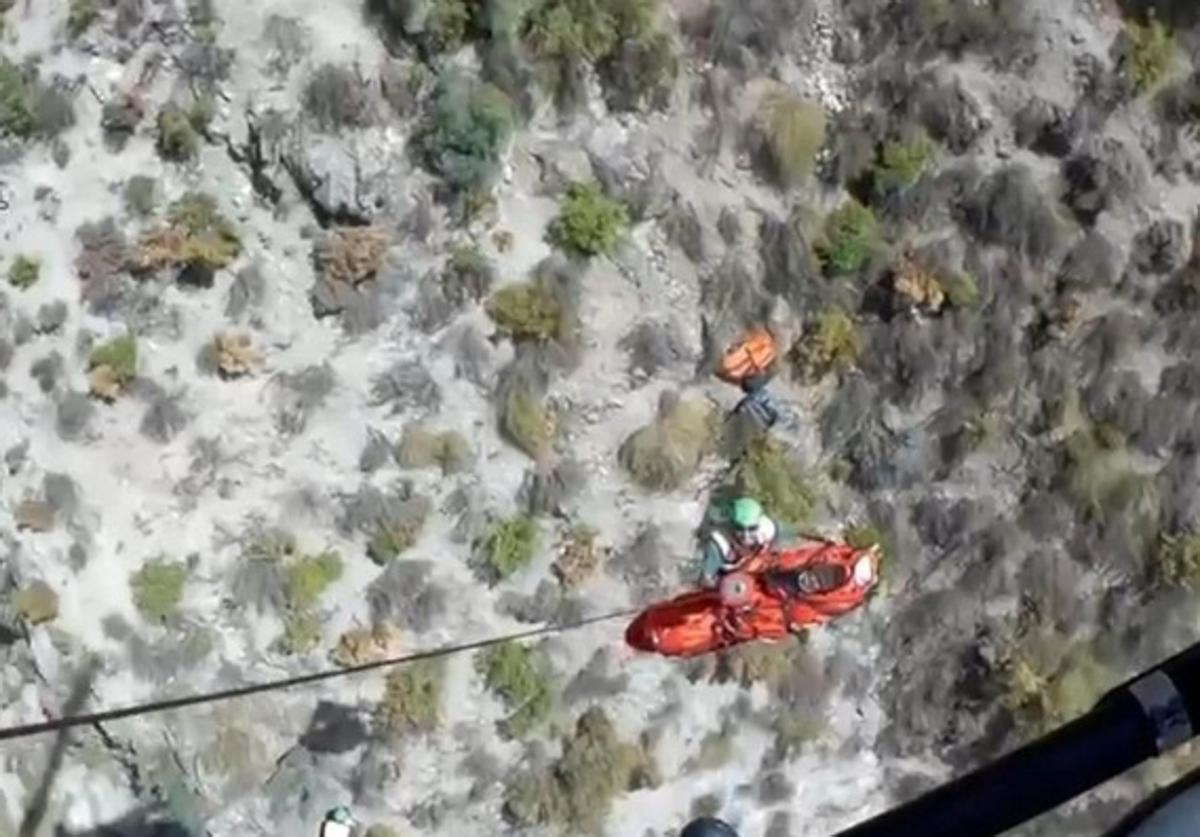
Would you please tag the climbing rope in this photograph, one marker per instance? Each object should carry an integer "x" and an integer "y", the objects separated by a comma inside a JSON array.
[{"x": 58, "y": 724}]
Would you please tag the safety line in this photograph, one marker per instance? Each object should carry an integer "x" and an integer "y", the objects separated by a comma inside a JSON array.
[{"x": 57, "y": 724}]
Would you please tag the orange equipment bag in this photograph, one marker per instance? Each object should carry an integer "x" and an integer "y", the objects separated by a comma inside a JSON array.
[{"x": 752, "y": 354}]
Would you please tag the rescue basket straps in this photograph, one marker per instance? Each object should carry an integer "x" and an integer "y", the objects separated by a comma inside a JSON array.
[
  {"x": 57, "y": 724},
  {"x": 1144, "y": 717}
]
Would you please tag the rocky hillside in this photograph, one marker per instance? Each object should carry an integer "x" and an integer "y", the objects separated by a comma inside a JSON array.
[{"x": 336, "y": 330}]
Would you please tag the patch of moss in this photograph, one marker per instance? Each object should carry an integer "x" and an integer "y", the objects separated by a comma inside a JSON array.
[
  {"x": 520, "y": 675},
  {"x": 309, "y": 576},
  {"x": 961, "y": 289},
  {"x": 509, "y": 545},
  {"x": 1151, "y": 53},
  {"x": 24, "y": 272},
  {"x": 851, "y": 235},
  {"x": 590, "y": 223},
  {"x": 412, "y": 698},
  {"x": 158, "y": 588}
]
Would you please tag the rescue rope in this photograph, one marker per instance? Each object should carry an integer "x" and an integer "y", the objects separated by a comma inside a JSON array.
[{"x": 154, "y": 707}]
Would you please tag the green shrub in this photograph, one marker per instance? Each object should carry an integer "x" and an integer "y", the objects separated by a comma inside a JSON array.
[
  {"x": 590, "y": 223},
  {"x": 81, "y": 14},
  {"x": 851, "y": 236},
  {"x": 578, "y": 791},
  {"x": 24, "y": 272},
  {"x": 508, "y": 546},
  {"x": 519, "y": 674},
  {"x": 468, "y": 275},
  {"x": 412, "y": 698},
  {"x": 526, "y": 311},
  {"x": 828, "y": 344},
  {"x": 527, "y": 423},
  {"x": 767, "y": 472},
  {"x": 568, "y": 35},
  {"x": 471, "y": 122},
  {"x": 1151, "y": 53},
  {"x": 301, "y": 633},
  {"x": 120, "y": 355},
  {"x": 901, "y": 162},
  {"x": 309, "y": 576},
  {"x": 961, "y": 289},
  {"x": 140, "y": 195},
  {"x": 37, "y": 603},
  {"x": 665, "y": 453},
  {"x": 178, "y": 139},
  {"x": 158, "y": 588},
  {"x": 1176, "y": 561},
  {"x": 795, "y": 131},
  {"x": 17, "y": 97}
]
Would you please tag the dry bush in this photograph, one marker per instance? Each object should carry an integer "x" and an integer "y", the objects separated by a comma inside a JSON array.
[
  {"x": 381, "y": 641},
  {"x": 420, "y": 447},
  {"x": 351, "y": 254},
  {"x": 662, "y": 455},
  {"x": 103, "y": 251},
  {"x": 579, "y": 556},
  {"x": 794, "y": 130},
  {"x": 412, "y": 699},
  {"x": 236, "y": 355},
  {"x": 918, "y": 286},
  {"x": 338, "y": 97},
  {"x": 526, "y": 421},
  {"x": 548, "y": 489},
  {"x": 1049, "y": 680}
]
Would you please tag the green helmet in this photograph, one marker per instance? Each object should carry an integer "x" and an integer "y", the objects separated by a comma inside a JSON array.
[{"x": 746, "y": 513}]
